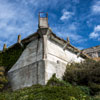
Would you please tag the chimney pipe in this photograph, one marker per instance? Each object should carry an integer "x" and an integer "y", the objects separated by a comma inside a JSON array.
[
  {"x": 43, "y": 20},
  {"x": 19, "y": 39},
  {"x": 4, "y": 47},
  {"x": 68, "y": 41}
]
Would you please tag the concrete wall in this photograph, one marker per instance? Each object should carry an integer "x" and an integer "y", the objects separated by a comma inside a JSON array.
[
  {"x": 27, "y": 75},
  {"x": 43, "y": 22},
  {"x": 39, "y": 61},
  {"x": 94, "y": 52},
  {"x": 57, "y": 59},
  {"x": 29, "y": 69}
]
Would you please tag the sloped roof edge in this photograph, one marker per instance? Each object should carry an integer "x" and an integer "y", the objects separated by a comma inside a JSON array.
[
  {"x": 91, "y": 47},
  {"x": 82, "y": 54},
  {"x": 34, "y": 35}
]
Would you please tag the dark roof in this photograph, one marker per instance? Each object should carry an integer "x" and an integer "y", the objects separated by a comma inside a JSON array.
[
  {"x": 92, "y": 47},
  {"x": 34, "y": 35}
]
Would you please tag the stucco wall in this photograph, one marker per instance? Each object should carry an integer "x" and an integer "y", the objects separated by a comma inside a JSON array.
[
  {"x": 94, "y": 52},
  {"x": 39, "y": 61},
  {"x": 28, "y": 75},
  {"x": 29, "y": 69},
  {"x": 57, "y": 59}
]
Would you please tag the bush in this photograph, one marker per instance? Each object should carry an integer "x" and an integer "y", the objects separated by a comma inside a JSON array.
[
  {"x": 10, "y": 56},
  {"x": 39, "y": 92},
  {"x": 84, "y": 73},
  {"x": 3, "y": 79},
  {"x": 97, "y": 96},
  {"x": 57, "y": 82},
  {"x": 94, "y": 88},
  {"x": 85, "y": 89}
]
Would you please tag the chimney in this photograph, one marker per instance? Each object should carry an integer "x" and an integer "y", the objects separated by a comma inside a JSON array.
[
  {"x": 4, "y": 47},
  {"x": 19, "y": 39},
  {"x": 43, "y": 20},
  {"x": 68, "y": 41}
]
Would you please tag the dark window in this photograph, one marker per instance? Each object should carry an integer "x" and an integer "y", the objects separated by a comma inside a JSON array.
[
  {"x": 98, "y": 54},
  {"x": 90, "y": 54}
]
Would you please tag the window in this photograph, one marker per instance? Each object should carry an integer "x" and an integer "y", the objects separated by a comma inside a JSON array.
[
  {"x": 99, "y": 54},
  {"x": 90, "y": 54}
]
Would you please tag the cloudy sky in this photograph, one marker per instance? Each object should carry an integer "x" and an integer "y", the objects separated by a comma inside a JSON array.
[{"x": 77, "y": 19}]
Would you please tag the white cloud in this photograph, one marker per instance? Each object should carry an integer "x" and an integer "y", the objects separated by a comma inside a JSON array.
[
  {"x": 69, "y": 30},
  {"x": 97, "y": 28},
  {"x": 66, "y": 15},
  {"x": 96, "y": 33},
  {"x": 72, "y": 27},
  {"x": 41, "y": 5},
  {"x": 75, "y": 38},
  {"x": 96, "y": 7},
  {"x": 15, "y": 19},
  {"x": 20, "y": 17}
]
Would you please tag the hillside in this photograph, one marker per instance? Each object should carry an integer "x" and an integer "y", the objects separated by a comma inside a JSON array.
[
  {"x": 54, "y": 90},
  {"x": 39, "y": 92},
  {"x": 80, "y": 82}
]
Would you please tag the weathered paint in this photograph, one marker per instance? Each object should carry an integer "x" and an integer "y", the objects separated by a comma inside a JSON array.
[
  {"x": 57, "y": 59},
  {"x": 94, "y": 52},
  {"x": 29, "y": 69},
  {"x": 43, "y": 21},
  {"x": 27, "y": 75},
  {"x": 40, "y": 60}
]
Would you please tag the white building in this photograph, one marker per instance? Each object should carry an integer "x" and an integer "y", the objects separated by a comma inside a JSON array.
[
  {"x": 93, "y": 52},
  {"x": 44, "y": 55}
]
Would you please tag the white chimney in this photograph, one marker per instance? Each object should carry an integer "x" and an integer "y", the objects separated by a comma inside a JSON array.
[{"x": 43, "y": 20}]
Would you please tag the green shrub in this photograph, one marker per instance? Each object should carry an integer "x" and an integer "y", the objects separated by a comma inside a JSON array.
[
  {"x": 85, "y": 89},
  {"x": 54, "y": 90},
  {"x": 84, "y": 73},
  {"x": 46, "y": 93},
  {"x": 97, "y": 96},
  {"x": 3, "y": 79},
  {"x": 57, "y": 82},
  {"x": 94, "y": 88},
  {"x": 10, "y": 56}
]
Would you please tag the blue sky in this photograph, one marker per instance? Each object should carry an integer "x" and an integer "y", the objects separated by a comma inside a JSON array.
[{"x": 77, "y": 19}]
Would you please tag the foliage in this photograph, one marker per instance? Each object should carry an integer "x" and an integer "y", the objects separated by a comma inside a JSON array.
[
  {"x": 94, "y": 87},
  {"x": 85, "y": 89},
  {"x": 10, "y": 56},
  {"x": 85, "y": 73},
  {"x": 7, "y": 60},
  {"x": 97, "y": 96},
  {"x": 3, "y": 79},
  {"x": 39, "y": 92},
  {"x": 57, "y": 82}
]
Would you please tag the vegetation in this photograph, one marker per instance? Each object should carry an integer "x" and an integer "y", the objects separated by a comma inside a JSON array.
[
  {"x": 10, "y": 56},
  {"x": 7, "y": 60},
  {"x": 81, "y": 81},
  {"x": 55, "y": 89},
  {"x": 86, "y": 73},
  {"x": 3, "y": 79},
  {"x": 48, "y": 92},
  {"x": 57, "y": 82}
]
